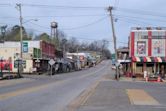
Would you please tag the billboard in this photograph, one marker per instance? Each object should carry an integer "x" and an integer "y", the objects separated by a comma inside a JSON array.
[
  {"x": 141, "y": 47},
  {"x": 158, "y": 47}
]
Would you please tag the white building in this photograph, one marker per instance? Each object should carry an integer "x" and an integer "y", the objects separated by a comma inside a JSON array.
[{"x": 35, "y": 54}]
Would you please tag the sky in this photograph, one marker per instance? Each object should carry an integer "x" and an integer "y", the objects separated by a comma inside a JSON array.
[{"x": 86, "y": 20}]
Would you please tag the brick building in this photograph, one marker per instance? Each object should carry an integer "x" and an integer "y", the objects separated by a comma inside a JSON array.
[{"x": 147, "y": 49}]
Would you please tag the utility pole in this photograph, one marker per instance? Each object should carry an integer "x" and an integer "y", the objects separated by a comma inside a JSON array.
[
  {"x": 21, "y": 36},
  {"x": 110, "y": 8}
]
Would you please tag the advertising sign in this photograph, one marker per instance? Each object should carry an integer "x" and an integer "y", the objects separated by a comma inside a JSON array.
[
  {"x": 158, "y": 48},
  {"x": 25, "y": 47},
  {"x": 141, "y": 47}
]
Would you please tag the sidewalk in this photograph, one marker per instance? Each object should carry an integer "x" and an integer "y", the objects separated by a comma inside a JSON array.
[
  {"x": 112, "y": 95},
  {"x": 8, "y": 76}
]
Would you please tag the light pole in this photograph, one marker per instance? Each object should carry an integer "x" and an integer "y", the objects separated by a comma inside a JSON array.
[
  {"x": 110, "y": 8},
  {"x": 19, "y": 6},
  {"x": 3, "y": 31},
  {"x": 1, "y": 74}
]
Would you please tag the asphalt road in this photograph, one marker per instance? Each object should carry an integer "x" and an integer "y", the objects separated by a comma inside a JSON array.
[{"x": 45, "y": 93}]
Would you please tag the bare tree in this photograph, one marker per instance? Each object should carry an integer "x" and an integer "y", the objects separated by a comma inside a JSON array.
[{"x": 72, "y": 44}]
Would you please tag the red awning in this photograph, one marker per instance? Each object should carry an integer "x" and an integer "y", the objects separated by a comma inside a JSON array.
[{"x": 136, "y": 59}]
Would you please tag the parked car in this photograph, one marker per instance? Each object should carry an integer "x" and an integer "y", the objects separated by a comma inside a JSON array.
[{"x": 62, "y": 65}]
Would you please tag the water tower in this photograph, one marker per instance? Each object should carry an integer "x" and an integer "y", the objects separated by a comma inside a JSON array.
[{"x": 54, "y": 33}]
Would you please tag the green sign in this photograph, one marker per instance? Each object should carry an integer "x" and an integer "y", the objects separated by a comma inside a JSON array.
[
  {"x": 113, "y": 56},
  {"x": 25, "y": 47},
  {"x": 36, "y": 53}
]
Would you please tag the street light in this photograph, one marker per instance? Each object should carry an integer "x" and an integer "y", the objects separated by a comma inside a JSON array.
[
  {"x": 1, "y": 74},
  {"x": 3, "y": 31},
  {"x": 19, "y": 7}
]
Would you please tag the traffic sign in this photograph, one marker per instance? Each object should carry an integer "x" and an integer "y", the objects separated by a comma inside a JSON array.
[{"x": 51, "y": 62}]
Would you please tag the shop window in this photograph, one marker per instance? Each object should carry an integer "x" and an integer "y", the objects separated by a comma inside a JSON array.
[
  {"x": 141, "y": 47},
  {"x": 139, "y": 67},
  {"x": 150, "y": 67}
]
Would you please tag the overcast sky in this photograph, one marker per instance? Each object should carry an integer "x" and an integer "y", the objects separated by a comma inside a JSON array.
[{"x": 86, "y": 23}]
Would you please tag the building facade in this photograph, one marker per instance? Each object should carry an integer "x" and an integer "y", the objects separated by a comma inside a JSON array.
[
  {"x": 147, "y": 47},
  {"x": 35, "y": 54}
]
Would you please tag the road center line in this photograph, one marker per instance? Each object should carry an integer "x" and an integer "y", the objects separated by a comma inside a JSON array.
[{"x": 28, "y": 90}]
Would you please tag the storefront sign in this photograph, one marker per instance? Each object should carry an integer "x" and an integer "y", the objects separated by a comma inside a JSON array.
[
  {"x": 19, "y": 62},
  {"x": 25, "y": 47},
  {"x": 158, "y": 48},
  {"x": 141, "y": 47}
]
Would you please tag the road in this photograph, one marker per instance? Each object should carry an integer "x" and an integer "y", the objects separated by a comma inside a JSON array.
[{"x": 45, "y": 93}]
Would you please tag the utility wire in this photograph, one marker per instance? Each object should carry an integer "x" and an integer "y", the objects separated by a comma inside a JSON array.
[
  {"x": 97, "y": 40},
  {"x": 41, "y": 26},
  {"x": 136, "y": 22},
  {"x": 74, "y": 28},
  {"x": 42, "y": 16},
  {"x": 140, "y": 18},
  {"x": 62, "y": 7},
  {"x": 5, "y": 5},
  {"x": 140, "y": 12},
  {"x": 84, "y": 26}
]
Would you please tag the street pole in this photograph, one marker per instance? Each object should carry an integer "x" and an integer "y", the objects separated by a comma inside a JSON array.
[
  {"x": 21, "y": 35},
  {"x": 1, "y": 75},
  {"x": 110, "y": 8}
]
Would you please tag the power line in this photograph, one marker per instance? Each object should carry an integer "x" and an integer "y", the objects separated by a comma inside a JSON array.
[
  {"x": 136, "y": 22},
  {"x": 62, "y": 7},
  {"x": 41, "y": 26},
  {"x": 84, "y": 26},
  {"x": 5, "y": 5},
  {"x": 140, "y": 12},
  {"x": 74, "y": 28},
  {"x": 98, "y": 40},
  {"x": 48, "y": 16},
  {"x": 36, "y": 30},
  {"x": 138, "y": 18},
  {"x": 90, "y": 39}
]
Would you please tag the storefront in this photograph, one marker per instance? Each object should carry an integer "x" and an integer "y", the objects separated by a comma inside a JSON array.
[
  {"x": 147, "y": 49},
  {"x": 152, "y": 65}
]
